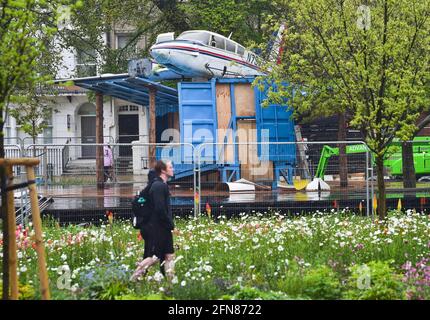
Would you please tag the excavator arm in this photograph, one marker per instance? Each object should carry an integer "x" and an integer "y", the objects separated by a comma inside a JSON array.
[{"x": 327, "y": 152}]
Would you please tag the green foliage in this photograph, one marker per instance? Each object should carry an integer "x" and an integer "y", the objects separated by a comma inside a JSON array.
[
  {"x": 252, "y": 293},
  {"x": 139, "y": 19},
  {"x": 105, "y": 282},
  {"x": 378, "y": 75},
  {"x": 32, "y": 112},
  {"x": 28, "y": 27},
  {"x": 146, "y": 297},
  {"x": 244, "y": 18},
  {"x": 25, "y": 291},
  {"x": 253, "y": 257},
  {"x": 378, "y": 281},
  {"x": 321, "y": 283},
  {"x": 369, "y": 62}
]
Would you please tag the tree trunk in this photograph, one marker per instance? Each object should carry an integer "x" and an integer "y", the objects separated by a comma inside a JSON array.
[
  {"x": 5, "y": 225},
  {"x": 99, "y": 140},
  {"x": 408, "y": 167},
  {"x": 152, "y": 124},
  {"x": 343, "y": 161},
  {"x": 382, "y": 205}
]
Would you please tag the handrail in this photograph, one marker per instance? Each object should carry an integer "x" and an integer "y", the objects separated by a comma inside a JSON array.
[
  {"x": 65, "y": 155},
  {"x": 111, "y": 139}
]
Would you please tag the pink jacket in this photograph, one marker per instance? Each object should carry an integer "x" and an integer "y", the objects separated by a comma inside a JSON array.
[{"x": 108, "y": 158}]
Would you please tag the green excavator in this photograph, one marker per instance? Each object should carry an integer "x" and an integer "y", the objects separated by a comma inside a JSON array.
[{"x": 393, "y": 162}]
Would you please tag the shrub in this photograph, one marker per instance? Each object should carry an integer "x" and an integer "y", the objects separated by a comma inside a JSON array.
[
  {"x": 375, "y": 281},
  {"x": 147, "y": 297},
  {"x": 417, "y": 279},
  {"x": 105, "y": 282},
  {"x": 25, "y": 291},
  {"x": 251, "y": 293},
  {"x": 321, "y": 283}
]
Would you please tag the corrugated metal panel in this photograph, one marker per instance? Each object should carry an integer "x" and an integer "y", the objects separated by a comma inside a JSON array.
[
  {"x": 197, "y": 116},
  {"x": 275, "y": 124}
]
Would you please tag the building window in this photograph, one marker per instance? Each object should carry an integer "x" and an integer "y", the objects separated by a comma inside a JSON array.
[
  {"x": 87, "y": 109},
  {"x": 8, "y": 134},
  {"x": 86, "y": 63},
  {"x": 128, "y": 108},
  {"x": 122, "y": 40},
  {"x": 47, "y": 132}
]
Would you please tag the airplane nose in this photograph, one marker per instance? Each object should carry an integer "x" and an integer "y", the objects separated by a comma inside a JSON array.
[{"x": 162, "y": 56}]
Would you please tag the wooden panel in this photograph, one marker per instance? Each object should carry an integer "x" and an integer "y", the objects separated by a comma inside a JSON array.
[
  {"x": 251, "y": 167},
  {"x": 223, "y": 105},
  {"x": 245, "y": 100},
  {"x": 176, "y": 121}
]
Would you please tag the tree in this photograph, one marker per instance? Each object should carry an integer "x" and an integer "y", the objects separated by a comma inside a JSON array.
[
  {"x": 90, "y": 32},
  {"x": 32, "y": 112},
  {"x": 26, "y": 27},
  {"x": 409, "y": 177},
  {"x": 370, "y": 60},
  {"x": 243, "y": 18}
]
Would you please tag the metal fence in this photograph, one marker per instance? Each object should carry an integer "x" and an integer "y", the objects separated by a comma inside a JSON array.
[
  {"x": 274, "y": 176},
  {"x": 279, "y": 176},
  {"x": 57, "y": 140},
  {"x": 13, "y": 151}
]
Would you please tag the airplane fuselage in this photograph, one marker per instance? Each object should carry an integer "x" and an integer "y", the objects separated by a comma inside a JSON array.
[{"x": 190, "y": 58}]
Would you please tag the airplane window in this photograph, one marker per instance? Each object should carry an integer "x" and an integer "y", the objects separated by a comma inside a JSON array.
[
  {"x": 217, "y": 42},
  {"x": 195, "y": 36},
  {"x": 240, "y": 50},
  {"x": 230, "y": 46}
]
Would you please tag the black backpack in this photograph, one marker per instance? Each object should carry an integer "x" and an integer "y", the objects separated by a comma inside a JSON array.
[{"x": 141, "y": 208}]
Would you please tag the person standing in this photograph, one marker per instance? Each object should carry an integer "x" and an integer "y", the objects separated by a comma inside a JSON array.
[
  {"x": 108, "y": 162},
  {"x": 157, "y": 232}
]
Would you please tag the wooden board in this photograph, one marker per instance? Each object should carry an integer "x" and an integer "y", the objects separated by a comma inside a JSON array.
[
  {"x": 251, "y": 167},
  {"x": 223, "y": 105},
  {"x": 173, "y": 123},
  {"x": 244, "y": 100},
  {"x": 176, "y": 120}
]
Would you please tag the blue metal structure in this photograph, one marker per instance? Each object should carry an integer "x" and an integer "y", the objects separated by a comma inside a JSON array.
[
  {"x": 198, "y": 123},
  {"x": 278, "y": 122},
  {"x": 133, "y": 89}
]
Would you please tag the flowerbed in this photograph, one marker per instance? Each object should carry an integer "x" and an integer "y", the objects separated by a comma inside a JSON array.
[{"x": 334, "y": 255}]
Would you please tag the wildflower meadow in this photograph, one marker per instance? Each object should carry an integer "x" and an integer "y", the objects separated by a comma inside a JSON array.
[{"x": 326, "y": 255}]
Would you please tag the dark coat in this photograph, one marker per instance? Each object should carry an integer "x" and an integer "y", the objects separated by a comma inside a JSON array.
[
  {"x": 157, "y": 232},
  {"x": 160, "y": 197},
  {"x": 151, "y": 175}
]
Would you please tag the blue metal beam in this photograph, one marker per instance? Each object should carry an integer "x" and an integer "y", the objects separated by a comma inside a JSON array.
[
  {"x": 169, "y": 93},
  {"x": 159, "y": 95}
]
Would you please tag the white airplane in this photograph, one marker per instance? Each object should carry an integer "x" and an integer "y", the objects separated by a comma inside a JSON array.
[{"x": 201, "y": 54}]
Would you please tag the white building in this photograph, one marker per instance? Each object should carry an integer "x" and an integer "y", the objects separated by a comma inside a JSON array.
[{"x": 75, "y": 120}]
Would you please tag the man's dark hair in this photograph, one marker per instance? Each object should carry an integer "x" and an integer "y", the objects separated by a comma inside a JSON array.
[{"x": 159, "y": 166}]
